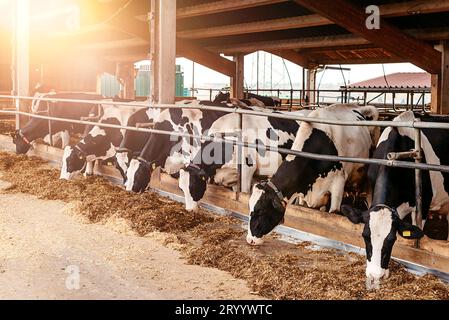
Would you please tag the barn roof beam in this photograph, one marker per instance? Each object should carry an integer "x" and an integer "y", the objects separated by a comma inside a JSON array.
[
  {"x": 313, "y": 20},
  {"x": 221, "y": 6},
  {"x": 389, "y": 37},
  {"x": 205, "y": 57},
  {"x": 323, "y": 41},
  {"x": 293, "y": 56}
]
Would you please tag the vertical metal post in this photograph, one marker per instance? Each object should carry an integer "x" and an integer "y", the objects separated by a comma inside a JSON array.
[
  {"x": 210, "y": 94},
  {"x": 418, "y": 182},
  {"x": 394, "y": 101},
  {"x": 193, "y": 79},
  {"x": 291, "y": 100},
  {"x": 365, "y": 98},
  {"x": 412, "y": 102},
  {"x": 50, "y": 130},
  {"x": 239, "y": 154}
]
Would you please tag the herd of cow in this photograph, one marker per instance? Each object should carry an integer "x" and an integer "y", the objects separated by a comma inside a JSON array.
[{"x": 314, "y": 183}]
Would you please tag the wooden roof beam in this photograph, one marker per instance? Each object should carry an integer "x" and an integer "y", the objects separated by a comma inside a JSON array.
[
  {"x": 205, "y": 57},
  {"x": 313, "y": 20},
  {"x": 221, "y": 6},
  {"x": 311, "y": 43},
  {"x": 294, "y": 57},
  {"x": 389, "y": 37}
]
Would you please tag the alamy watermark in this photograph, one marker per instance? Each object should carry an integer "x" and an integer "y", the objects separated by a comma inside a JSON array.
[
  {"x": 72, "y": 282},
  {"x": 372, "y": 22}
]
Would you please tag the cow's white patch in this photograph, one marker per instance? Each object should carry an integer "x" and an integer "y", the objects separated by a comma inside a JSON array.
[
  {"x": 380, "y": 225},
  {"x": 122, "y": 161},
  {"x": 131, "y": 174},
  {"x": 184, "y": 184},
  {"x": 255, "y": 196},
  {"x": 97, "y": 131},
  {"x": 404, "y": 209},
  {"x": 65, "y": 175}
]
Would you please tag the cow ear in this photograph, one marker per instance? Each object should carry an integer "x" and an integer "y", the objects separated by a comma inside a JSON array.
[
  {"x": 409, "y": 231},
  {"x": 278, "y": 205},
  {"x": 354, "y": 215}
]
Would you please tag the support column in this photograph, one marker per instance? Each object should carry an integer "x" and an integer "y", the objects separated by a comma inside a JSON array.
[
  {"x": 435, "y": 93},
  {"x": 163, "y": 51},
  {"x": 444, "y": 81},
  {"x": 126, "y": 75},
  {"x": 237, "y": 82},
  {"x": 21, "y": 55},
  {"x": 311, "y": 85}
]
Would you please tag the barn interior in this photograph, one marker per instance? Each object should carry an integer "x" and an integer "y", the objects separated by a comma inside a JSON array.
[{"x": 68, "y": 44}]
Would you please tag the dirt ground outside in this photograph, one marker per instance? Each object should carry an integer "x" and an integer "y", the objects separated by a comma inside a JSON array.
[{"x": 43, "y": 245}]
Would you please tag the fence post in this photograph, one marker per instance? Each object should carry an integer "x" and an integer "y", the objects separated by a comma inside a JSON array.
[
  {"x": 418, "y": 182},
  {"x": 50, "y": 131},
  {"x": 239, "y": 155},
  {"x": 291, "y": 100},
  {"x": 210, "y": 94},
  {"x": 411, "y": 100}
]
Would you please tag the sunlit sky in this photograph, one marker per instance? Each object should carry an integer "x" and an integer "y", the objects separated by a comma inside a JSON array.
[{"x": 277, "y": 76}]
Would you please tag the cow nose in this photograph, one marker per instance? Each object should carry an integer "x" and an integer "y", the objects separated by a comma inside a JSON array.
[{"x": 253, "y": 240}]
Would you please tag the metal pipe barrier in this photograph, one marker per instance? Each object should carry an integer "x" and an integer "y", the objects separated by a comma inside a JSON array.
[{"x": 390, "y": 162}]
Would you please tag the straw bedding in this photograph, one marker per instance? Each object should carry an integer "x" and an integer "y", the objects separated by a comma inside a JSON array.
[{"x": 276, "y": 270}]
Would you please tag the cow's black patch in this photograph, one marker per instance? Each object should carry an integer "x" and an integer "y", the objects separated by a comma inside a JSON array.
[
  {"x": 272, "y": 135},
  {"x": 289, "y": 126},
  {"x": 177, "y": 117},
  {"x": 394, "y": 186},
  {"x": 300, "y": 174}
]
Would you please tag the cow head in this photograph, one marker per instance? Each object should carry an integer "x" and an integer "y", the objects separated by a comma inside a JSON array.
[
  {"x": 21, "y": 142},
  {"x": 382, "y": 223},
  {"x": 192, "y": 181},
  {"x": 267, "y": 210},
  {"x": 74, "y": 161},
  {"x": 123, "y": 158},
  {"x": 138, "y": 175}
]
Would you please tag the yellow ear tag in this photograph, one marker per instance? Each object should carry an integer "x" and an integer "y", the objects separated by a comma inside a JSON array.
[
  {"x": 154, "y": 166},
  {"x": 406, "y": 233},
  {"x": 203, "y": 178}
]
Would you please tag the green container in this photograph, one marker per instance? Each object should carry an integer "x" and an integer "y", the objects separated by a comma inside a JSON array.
[
  {"x": 179, "y": 82},
  {"x": 110, "y": 86}
]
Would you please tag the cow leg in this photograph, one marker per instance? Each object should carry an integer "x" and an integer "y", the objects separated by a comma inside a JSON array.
[
  {"x": 337, "y": 192},
  {"x": 65, "y": 138}
]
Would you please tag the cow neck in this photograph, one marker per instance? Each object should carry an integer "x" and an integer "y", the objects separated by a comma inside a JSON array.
[{"x": 35, "y": 129}]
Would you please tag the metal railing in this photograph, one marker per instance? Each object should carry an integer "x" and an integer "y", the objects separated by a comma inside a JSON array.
[
  {"x": 412, "y": 98},
  {"x": 392, "y": 161}
]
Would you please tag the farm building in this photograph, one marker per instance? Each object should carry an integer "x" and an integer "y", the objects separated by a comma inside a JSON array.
[{"x": 71, "y": 94}]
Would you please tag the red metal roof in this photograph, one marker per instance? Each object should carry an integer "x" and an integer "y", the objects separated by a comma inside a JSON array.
[{"x": 397, "y": 80}]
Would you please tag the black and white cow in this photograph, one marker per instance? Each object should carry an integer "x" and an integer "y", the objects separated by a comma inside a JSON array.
[
  {"x": 315, "y": 182},
  {"x": 38, "y": 128},
  {"x": 394, "y": 193},
  {"x": 250, "y": 99},
  {"x": 171, "y": 152},
  {"x": 133, "y": 141},
  {"x": 101, "y": 143},
  {"x": 213, "y": 156}
]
